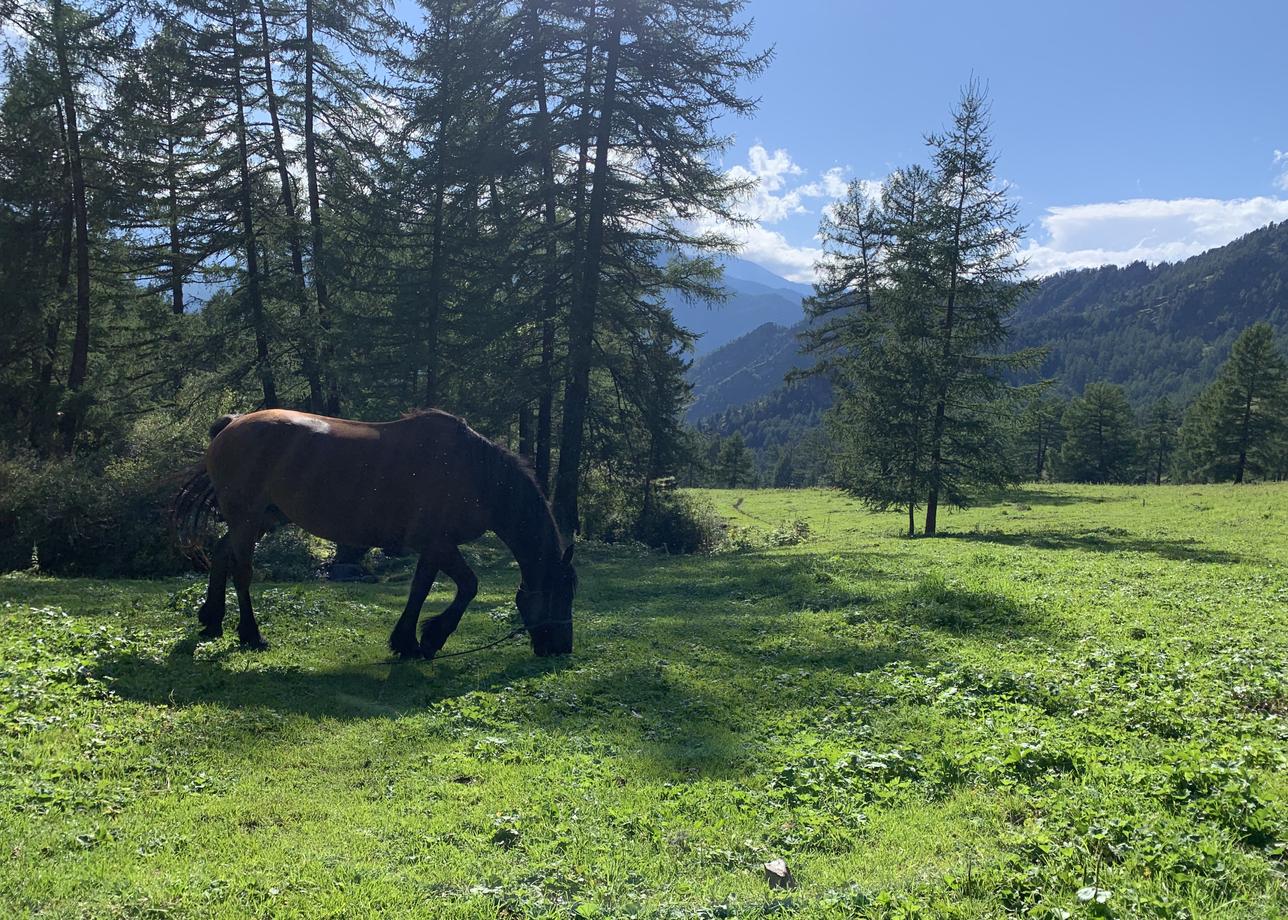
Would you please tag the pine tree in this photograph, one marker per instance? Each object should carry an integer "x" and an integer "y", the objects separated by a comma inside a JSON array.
[
  {"x": 913, "y": 307},
  {"x": 1100, "y": 436},
  {"x": 1158, "y": 438},
  {"x": 1233, "y": 428},
  {"x": 1040, "y": 435},
  {"x": 734, "y": 465},
  {"x": 691, "y": 55},
  {"x": 980, "y": 285}
]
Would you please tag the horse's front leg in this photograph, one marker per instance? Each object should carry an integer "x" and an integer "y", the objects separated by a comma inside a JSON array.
[
  {"x": 436, "y": 629},
  {"x": 402, "y": 641}
]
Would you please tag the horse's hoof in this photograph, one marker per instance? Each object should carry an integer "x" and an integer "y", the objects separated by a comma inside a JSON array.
[
  {"x": 254, "y": 644},
  {"x": 211, "y": 632},
  {"x": 405, "y": 648}
]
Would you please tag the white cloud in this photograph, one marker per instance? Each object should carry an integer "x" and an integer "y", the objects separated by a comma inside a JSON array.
[
  {"x": 1144, "y": 229},
  {"x": 1281, "y": 160},
  {"x": 778, "y": 193}
]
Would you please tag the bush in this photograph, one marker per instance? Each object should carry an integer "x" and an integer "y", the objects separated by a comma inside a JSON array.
[
  {"x": 290, "y": 554},
  {"x": 672, "y": 521},
  {"x": 98, "y": 513},
  {"x": 680, "y": 523}
]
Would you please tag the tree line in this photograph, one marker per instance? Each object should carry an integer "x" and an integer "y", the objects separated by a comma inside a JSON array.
[{"x": 213, "y": 205}]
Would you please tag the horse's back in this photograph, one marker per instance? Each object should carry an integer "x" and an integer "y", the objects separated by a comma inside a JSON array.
[{"x": 380, "y": 483}]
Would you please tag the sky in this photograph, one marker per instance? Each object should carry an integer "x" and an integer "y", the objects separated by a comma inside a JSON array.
[{"x": 1132, "y": 129}]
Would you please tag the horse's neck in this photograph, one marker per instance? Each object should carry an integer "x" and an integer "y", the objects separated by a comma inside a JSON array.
[{"x": 534, "y": 542}]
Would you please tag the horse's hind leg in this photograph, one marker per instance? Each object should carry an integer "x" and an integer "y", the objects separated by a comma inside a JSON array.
[
  {"x": 211, "y": 615},
  {"x": 436, "y": 629},
  {"x": 242, "y": 549},
  {"x": 402, "y": 641}
]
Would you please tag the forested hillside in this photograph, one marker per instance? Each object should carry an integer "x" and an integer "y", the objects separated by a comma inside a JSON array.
[
  {"x": 1160, "y": 331},
  {"x": 744, "y": 370}
]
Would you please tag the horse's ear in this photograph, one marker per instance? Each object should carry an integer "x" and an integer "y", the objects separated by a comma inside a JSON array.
[{"x": 567, "y": 556}]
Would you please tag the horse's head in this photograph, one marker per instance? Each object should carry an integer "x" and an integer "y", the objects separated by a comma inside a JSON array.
[{"x": 547, "y": 611}]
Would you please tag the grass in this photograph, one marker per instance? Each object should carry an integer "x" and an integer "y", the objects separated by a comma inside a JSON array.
[{"x": 1074, "y": 703}]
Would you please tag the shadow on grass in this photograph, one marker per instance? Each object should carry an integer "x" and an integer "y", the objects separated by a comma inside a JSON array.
[
  {"x": 686, "y": 661},
  {"x": 1102, "y": 541},
  {"x": 1034, "y": 496},
  {"x": 381, "y": 689}
]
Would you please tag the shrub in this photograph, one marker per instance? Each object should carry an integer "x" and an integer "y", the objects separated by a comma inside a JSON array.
[
  {"x": 98, "y": 513},
  {"x": 289, "y": 554},
  {"x": 679, "y": 523}
]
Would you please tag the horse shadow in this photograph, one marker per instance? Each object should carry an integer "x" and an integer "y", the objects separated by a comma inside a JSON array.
[{"x": 389, "y": 688}]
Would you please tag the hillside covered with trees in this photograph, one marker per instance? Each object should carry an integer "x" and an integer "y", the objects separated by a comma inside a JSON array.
[{"x": 1157, "y": 332}]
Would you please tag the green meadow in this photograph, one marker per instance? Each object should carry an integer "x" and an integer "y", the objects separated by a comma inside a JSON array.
[{"x": 1073, "y": 703}]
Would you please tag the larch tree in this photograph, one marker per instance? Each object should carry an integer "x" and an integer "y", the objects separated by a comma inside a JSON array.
[
  {"x": 1232, "y": 430},
  {"x": 1100, "y": 437}
]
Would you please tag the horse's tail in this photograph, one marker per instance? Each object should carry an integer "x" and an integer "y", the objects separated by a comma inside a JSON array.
[{"x": 195, "y": 507}]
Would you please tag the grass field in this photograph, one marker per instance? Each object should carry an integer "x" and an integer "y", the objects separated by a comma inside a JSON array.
[{"x": 1074, "y": 703}]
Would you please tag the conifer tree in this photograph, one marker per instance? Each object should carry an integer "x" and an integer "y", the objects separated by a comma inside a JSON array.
[
  {"x": 1158, "y": 438},
  {"x": 1100, "y": 440},
  {"x": 1232, "y": 430}
]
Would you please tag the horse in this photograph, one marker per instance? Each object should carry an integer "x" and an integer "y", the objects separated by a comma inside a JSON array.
[{"x": 427, "y": 482}]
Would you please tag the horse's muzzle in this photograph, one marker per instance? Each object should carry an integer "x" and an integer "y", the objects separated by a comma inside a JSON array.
[{"x": 555, "y": 639}]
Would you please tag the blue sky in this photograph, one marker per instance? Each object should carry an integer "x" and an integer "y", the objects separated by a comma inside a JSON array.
[{"x": 1128, "y": 129}]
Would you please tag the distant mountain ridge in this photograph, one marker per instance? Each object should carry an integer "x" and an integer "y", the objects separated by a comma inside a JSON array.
[
  {"x": 1157, "y": 331},
  {"x": 756, "y": 296}
]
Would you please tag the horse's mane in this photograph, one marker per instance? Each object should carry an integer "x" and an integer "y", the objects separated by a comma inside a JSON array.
[{"x": 504, "y": 473}]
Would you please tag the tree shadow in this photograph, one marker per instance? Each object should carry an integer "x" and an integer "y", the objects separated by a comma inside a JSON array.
[
  {"x": 1105, "y": 540},
  {"x": 1035, "y": 496},
  {"x": 689, "y": 662}
]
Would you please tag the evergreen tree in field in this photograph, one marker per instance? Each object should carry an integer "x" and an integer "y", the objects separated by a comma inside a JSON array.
[
  {"x": 1235, "y": 427},
  {"x": 784, "y": 473},
  {"x": 914, "y": 306},
  {"x": 1040, "y": 435},
  {"x": 734, "y": 464},
  {"x": 1158, "y": 438},
  {"x": 1100, "y": 439}
]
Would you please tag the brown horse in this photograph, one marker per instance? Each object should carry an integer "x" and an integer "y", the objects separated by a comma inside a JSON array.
[{"x": 427, "y": 483}]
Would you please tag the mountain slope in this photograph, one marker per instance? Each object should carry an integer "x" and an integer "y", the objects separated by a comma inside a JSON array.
[
  {"x": 1157, "y": 331},
  {"x": 1160, "y": 331},
  {"x": 756, "y": 296},
  {"x": 744, "y": 370}
]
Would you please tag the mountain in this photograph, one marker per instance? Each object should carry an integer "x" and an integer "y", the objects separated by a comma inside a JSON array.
[
  {"x": 756, "y": 296},
  {"x": 744, "y": 370},
  {"x": 1159, "y": 330}
]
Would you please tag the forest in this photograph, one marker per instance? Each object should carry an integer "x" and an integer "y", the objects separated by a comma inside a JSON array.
[{"x": 223, "y": 206}]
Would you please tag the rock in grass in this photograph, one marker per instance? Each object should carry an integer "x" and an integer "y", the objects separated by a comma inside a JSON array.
[{"x": 778, "y": 875}]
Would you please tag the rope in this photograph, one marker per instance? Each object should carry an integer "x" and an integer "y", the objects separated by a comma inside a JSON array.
[
  {"x": 514, "y": 632},
  {"x": 469, "y": 651}
]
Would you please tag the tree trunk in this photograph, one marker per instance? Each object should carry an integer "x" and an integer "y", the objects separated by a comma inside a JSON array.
[
  {"x": 254, "y": 297},
  {"x": 320, "y": 289},
  {"x": 941, "y": 401},
  {"x": 172, "y": 205},
  {"x": 309, "y": 350},
  {"x": 581, "y": 320},
  {"x": 550, "y": 279},
  {"x": 80, "y": 343},
  {"x": 434, "y": 300},
  {"x": 42, "y": 419},
  {"x": 525, "y": 431}
]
